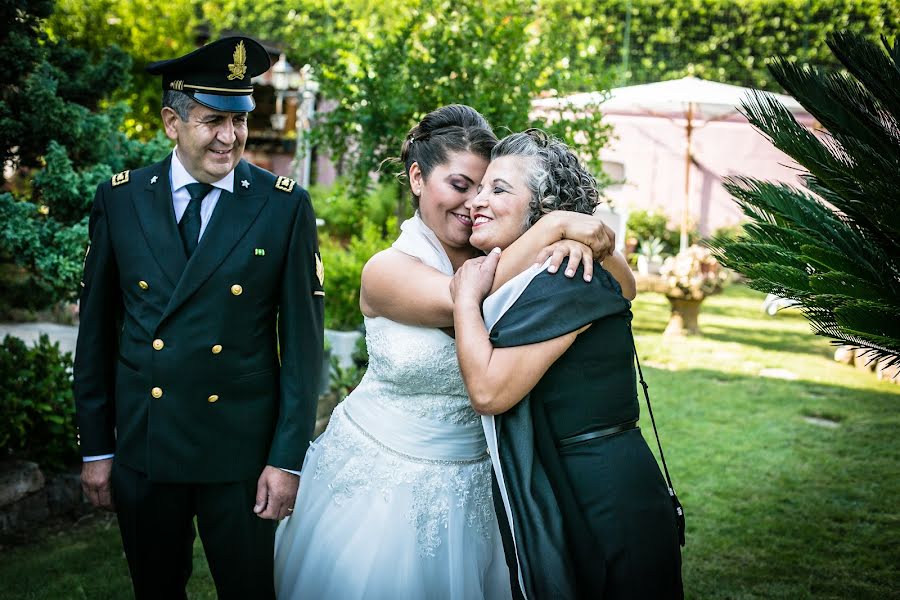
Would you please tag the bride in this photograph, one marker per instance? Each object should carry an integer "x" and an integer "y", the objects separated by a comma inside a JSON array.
[{"x": 395, "y": 497}]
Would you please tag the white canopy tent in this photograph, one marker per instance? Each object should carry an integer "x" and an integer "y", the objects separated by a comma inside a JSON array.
[{"x": 694, "y": 100}]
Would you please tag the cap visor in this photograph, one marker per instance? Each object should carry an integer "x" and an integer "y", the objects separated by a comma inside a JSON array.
[{"x": 235, "y": 104}]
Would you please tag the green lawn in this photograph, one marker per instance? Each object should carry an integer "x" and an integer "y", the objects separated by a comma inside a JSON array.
[{"x": 777, "y": 506}]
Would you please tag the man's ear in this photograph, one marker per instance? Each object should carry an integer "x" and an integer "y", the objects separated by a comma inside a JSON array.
[{"x": 170, "y": 119}]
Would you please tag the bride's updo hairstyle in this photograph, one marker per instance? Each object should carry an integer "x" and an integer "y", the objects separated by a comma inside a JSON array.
[
  {"x": 556, "y": 178},
  {"x": 452, "y": 128}
]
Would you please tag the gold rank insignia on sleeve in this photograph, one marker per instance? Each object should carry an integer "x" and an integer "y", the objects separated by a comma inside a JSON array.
[
  {"x": 285, "y": 184},
  {"x": 120, "y": 178},
  {"x": 320, "y": 271}
]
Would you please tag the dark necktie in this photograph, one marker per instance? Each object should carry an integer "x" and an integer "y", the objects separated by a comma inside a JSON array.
[{"x": 189, "y": 227}]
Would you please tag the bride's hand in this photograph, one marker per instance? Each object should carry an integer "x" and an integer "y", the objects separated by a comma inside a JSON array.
[
  {"x": 587, "y": 229},
  {"x": 576, "y": 251},
  {"x": 473, "y": 281}
]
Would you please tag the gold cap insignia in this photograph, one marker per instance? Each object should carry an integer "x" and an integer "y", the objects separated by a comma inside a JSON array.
[
  {"x": 285, "y": 184},
  {"x": 320, "y": 271},
  {"x": 239, "y": 66},
  {"x": 120, "y": 178}
]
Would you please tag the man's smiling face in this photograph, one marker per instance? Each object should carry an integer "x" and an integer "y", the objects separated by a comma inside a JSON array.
[{"x": 210, "y": 142}]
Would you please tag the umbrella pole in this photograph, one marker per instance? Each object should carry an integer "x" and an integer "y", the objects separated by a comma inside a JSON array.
[{"x": 688, "y": 159}]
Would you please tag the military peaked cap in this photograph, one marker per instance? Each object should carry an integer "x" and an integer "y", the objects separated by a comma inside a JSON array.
[{"x": 218, "y": 74}]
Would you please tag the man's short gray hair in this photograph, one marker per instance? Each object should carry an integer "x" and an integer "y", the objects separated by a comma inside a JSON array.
[
  {"x": 180, "y": 102},
  {"x": 554, "y": 175}
]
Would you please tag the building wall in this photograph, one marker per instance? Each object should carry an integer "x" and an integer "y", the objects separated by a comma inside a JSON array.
[{"x": 652, "y": 153}]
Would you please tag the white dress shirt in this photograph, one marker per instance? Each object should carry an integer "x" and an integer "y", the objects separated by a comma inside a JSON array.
[{"x": 179, "y": 177}]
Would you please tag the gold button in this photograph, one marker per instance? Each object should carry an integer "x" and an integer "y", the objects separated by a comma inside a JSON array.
[
  {"x": 237, "y": 290},
  {"x": 212, "y": 398},
  {"x": 158, "y": 344},
  {"x": 156, "y": 392},
  {"x": 217, "y": 348},
  {"x": 143, "y": 285}
]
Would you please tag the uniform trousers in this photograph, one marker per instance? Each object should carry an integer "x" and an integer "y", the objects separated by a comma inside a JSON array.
[{"x": 156, "y": 521}]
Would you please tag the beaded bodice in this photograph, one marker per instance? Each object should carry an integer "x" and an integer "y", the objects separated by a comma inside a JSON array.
[{"x": 414, "y": 371}]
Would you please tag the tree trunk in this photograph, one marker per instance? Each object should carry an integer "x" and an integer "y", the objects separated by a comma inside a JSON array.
[{"x": 683, "y": 320}]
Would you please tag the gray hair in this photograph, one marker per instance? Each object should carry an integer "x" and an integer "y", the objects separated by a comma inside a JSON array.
[
  {"x": 555, "y": 177},
  {"x": 180, "y": 102}
]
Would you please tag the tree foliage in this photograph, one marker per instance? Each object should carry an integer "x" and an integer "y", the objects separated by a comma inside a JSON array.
[
  {"x": 835, "y": 246},
  {"x": 63, "y": 138},
  {"x": 729, "y": 41},
  {"x": 145, "y": 31},
  {"x": 385, "y": 69}
]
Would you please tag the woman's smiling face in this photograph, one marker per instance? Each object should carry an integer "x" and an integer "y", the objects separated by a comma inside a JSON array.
[
  {"x": 444, "y": 194},
  {"x": 500, "y": 209}
]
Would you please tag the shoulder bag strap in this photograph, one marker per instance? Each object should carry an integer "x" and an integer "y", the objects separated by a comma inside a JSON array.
[{"x": 679, "y": 511}]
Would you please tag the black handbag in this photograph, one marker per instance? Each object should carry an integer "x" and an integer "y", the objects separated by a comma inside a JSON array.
[{"x": 679, "y": 510}]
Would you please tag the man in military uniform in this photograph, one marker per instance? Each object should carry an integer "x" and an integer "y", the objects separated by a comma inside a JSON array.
[{"x": 200, "y": 347}]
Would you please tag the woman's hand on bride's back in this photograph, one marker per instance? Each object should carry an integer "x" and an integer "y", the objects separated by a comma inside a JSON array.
[
  {"x": 575, "y": 251},
  {"x": 590, "y": 230}
]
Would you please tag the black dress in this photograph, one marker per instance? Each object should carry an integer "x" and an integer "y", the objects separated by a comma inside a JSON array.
[{"x": 593, "y": 519}]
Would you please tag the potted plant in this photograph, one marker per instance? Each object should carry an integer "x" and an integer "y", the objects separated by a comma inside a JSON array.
[
  {"x": 689, "y": 277},
  {"x": 649, "y": 256}
]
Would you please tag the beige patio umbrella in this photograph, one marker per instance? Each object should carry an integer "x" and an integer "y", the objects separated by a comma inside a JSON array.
[{"x": 696, "y": 101}]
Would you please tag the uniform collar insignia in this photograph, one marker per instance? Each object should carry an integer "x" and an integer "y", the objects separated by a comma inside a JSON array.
[
  {"x": 153, "y": 179},
  {"x": 245, "y": 183}
]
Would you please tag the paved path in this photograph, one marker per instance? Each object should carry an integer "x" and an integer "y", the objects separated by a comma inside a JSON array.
[{"x": 29, "y": 333}]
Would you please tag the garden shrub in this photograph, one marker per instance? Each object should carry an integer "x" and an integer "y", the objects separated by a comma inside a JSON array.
[
  {"x": 344, "y": 210},
  {"x": 343, "y": 268},
  {"x": 645, "y": 225},
  {"x": 37, "y": 411},
  {"x": 720, "y": 40}
]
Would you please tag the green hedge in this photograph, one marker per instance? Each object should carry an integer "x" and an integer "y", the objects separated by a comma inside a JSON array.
[
  {"x": 722, "y": 40},
  {"x": 344, "y": 262},
  {"x": 37, "y": 412},
  {"x": 644, "y": 225},
  {"x": 343, "y": 208}
]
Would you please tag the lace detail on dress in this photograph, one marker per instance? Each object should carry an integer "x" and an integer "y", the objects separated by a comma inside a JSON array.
[
  {"x": 415, "y": 370},
  {"x": 356, "y": 462}
]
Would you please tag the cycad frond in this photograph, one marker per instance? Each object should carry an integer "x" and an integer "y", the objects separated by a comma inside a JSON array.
[
  {"x": 835, "y": 246},
  {"x": 871, "y": 66},
  {"x": 841, "y": 104}
]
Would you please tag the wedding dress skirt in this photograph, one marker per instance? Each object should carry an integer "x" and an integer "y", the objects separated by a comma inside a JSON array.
[{"x": 395, "y": 497}]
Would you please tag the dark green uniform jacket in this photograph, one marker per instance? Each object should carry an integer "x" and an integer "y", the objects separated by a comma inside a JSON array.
[{"x": 178, "y": 369}]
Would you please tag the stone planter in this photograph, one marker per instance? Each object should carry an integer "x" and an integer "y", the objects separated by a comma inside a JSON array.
[
  {"x": 684, "y": 316},
  {"x": 648, "y": 266},
  {"x": 343, "y": 343}
]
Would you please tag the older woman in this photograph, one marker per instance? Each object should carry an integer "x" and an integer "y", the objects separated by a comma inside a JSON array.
[{"x": 589, "y": 514}]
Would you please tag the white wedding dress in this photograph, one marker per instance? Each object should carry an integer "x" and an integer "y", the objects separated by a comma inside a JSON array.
[{"x": 395, "y": 497}]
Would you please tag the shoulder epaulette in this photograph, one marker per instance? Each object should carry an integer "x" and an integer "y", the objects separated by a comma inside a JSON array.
[
  {"x": 285, "y": 184},
  {"x": 120, "y": 178}
]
